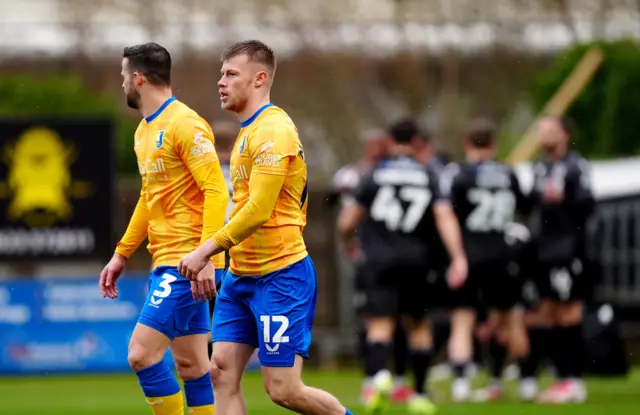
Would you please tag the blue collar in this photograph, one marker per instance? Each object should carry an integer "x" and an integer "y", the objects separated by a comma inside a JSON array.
[
  {"x": 248, "y": 122},
  {"x": 159, "y": 110}
]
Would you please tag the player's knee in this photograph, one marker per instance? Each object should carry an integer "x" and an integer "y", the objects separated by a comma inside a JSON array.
[
  {"x": 463, "y": 321},
  {"x": 215, "y": 371},
  {"x": 380, "y": 329},
  {"x": 569, "y": 314},
  {"x": 189, "y": 369},
  {"x": 139, "y": 358},
  {"x": 223, "y": 375},
  {"x": 420, "y": 336},
  {"x": 543, "y": 316}
]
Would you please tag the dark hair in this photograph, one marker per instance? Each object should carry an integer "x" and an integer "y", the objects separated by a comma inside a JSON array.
[
  {"x": 151, "y": 60},
  {"x": 481, "y": 133},
  {"x": 255, "y": 50},
  {"x": 405, "y": 130}
]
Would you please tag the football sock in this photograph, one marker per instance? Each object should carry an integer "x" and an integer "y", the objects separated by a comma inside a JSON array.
[
  {"x": 362, "y": 344},
  {"x": 498, "y": 354},
  {"x": 376, "y": 358},
  {"x": 459, "y": 370},
  {"x": 461, "y": 385},
  {"x": 400, "y": 351},
  {"x": 348, "y": 412},
  {"x": 576, "y": 350},
  {"x": 161, "y": 389},
  {"x": 199, "y": 394},
  {"x": 420, "y": 362},
  {"x": 537, "y": 341},
  {"x": 562, "y": 353}
]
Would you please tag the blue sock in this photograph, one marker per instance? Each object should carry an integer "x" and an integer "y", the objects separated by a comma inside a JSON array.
[
  {"x": 157, "y": 380},
  {"x": 348, "y": 412},
  {"x": 199, "y": 391}
]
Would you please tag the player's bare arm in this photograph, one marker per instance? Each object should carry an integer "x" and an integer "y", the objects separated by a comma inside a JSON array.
[
  {"x": 135, "y": 234},
  {"x": 449, "y": 230},
  {"x": 348, "y": 220}
]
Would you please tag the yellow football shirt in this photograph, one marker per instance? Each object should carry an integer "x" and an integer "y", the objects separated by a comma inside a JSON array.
[
  {"x": 184, "y": 197},
  {"x": 267, "y": 147}
]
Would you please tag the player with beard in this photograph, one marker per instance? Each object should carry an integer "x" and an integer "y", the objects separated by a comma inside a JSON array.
[
  {"x": 182, "y": 202},
  {"x": 486, "y": 196},
  {"x": 399, "y": 212},
  {"x": 563, "y": 202}
]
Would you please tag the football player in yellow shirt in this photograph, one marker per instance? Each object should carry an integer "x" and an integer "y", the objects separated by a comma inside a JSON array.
[
  {"x": 268, "y": 297},
  {"x": 182, "y": 202}
]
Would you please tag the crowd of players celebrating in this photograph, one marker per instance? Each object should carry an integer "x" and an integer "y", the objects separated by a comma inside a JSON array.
[{"x": 509, "y": 266}]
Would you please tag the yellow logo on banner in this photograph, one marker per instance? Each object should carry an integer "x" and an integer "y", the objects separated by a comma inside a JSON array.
[{"x": 39, "y": 181}]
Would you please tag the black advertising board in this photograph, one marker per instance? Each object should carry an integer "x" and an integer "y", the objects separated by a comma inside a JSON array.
[{"x": 56, "y": 189}]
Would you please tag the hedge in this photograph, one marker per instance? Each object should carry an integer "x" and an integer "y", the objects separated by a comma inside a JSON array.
[{"x": 606, "y": 113}]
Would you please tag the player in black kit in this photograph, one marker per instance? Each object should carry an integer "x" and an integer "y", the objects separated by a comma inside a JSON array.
[
  {"x": 486, "y": 196},
  {"x": 563, "y": 202},
  {"x": 401, "y": 211}
]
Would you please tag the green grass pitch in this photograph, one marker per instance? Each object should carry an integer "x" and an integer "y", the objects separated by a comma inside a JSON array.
[{"x": 120, "y": 394}]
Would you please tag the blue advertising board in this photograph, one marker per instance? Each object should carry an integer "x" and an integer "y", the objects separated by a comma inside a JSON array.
[{"x": 54, "y": 326}]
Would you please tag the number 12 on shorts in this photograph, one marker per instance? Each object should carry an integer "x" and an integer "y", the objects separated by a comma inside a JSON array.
[{"x": 278, "y": 336}]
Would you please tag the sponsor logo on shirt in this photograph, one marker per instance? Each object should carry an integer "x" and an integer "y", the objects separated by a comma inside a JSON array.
[
  {"x": 159, "y": 138},
  {"x": 202, "y": 145},
  {"x": 268, "y": 159}
]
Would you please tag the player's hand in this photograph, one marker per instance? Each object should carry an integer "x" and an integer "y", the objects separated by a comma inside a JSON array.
[
  {"x": 204, "y": 287},
  {"x": 191, "y": 265},
  {"x": 353, "y": 251},
  {"x": 551, "y": 193},
  {"x": 457, "y": 274},
  {"x": 110, "y": 275}
]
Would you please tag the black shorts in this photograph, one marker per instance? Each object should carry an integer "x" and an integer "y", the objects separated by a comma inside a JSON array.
[
  {"x": 394, "y": 291},
  {"x": 563, "y": 281},
  {"x": 490, "y": 285}
]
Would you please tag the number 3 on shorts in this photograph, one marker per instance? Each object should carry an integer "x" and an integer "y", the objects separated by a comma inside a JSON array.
[
  {"x": 165, "y": 284},
  {"x": 278, "y": 337}
]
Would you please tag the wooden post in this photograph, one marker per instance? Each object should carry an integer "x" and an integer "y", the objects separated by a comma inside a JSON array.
[{"x": 559, "y": 103}]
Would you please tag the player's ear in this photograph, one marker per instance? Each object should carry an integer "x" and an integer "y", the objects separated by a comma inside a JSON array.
[
  {"x": 138, "y": 79},
  {"x": 261, "y": 79}
]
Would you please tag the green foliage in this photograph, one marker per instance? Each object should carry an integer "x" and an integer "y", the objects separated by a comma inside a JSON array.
[
  {"x": 66, "y": 96},
  {"x": 607, "y": 110}
]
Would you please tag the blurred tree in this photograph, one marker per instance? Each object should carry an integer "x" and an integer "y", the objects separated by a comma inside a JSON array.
[
  {"x": 66, "y": 96},
  {"x": 606, "y": 111}
]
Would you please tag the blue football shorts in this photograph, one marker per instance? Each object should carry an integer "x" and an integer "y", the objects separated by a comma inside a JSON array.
[
  {"x": 272, "y": 312},
  {"x": 170, "y": 307}
]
